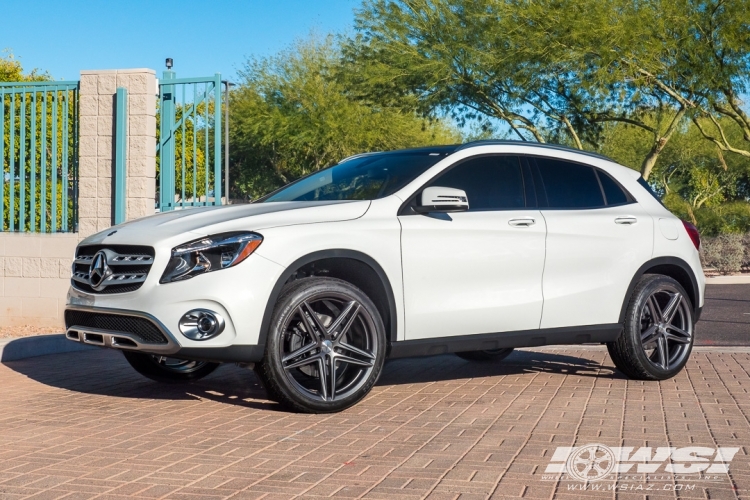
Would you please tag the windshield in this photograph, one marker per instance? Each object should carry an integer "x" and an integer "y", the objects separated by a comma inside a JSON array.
[{"x": 365, "y": 178}]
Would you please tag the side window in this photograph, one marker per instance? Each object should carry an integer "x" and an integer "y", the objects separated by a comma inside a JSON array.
[
  {"x": 490, "y": 182},
  {"x": 570, "y": 185},
  {"x": 612, "y": 191}
]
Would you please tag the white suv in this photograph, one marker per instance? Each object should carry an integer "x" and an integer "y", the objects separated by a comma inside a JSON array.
[{"x": 472, "y": 249}]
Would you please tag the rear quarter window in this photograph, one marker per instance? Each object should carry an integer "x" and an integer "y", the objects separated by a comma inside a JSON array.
[{"x": 570, "y": 185}]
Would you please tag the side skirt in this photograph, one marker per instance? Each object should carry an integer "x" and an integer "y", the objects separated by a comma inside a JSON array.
[{"x": 526, "y": 338}]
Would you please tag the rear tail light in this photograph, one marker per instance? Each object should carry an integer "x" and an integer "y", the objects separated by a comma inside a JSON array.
[{"x": 692, "y": 231}]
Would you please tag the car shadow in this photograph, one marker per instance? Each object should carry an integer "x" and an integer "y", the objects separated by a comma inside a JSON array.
[
  {"x": 451, "y": 367},
  {"x": 106, "y": 372}
]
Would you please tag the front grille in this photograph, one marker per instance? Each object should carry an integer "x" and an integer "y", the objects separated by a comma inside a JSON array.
[
  {"x": 129, "y": 265},
  {"x": 141, "y": 328}
]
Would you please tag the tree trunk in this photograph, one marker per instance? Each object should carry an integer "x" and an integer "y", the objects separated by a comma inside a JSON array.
[
  {"x": 660, "y": 141},
  {"x": 648, "y": 163}
]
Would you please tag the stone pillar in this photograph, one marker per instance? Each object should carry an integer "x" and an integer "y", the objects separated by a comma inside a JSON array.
[{"x": 96, "y": 146}]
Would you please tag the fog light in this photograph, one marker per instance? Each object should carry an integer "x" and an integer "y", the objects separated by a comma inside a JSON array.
[{"x": 201, "y": 324}]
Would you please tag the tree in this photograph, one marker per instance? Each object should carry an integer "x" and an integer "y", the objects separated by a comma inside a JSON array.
[
  {"x": 556, "y": 69},
  {"x": 694, "y": 181},
  {"x": 291, "y": 115},
  {"x": 13, "y": 171}
]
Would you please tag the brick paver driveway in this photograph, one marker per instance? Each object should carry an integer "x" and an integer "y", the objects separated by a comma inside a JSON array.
[{"x": 84, "y": 425}]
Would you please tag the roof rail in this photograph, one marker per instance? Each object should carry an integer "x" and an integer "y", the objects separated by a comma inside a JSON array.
[
  {"x": 449, "y": 148},
  {"x": 556, "y": 147}
]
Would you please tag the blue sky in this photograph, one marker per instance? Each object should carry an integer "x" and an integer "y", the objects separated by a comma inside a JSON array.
[{"x": 203, "y": 37}]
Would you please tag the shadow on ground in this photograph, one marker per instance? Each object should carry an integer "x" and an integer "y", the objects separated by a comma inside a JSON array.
[{"x": 105, "y": 372}]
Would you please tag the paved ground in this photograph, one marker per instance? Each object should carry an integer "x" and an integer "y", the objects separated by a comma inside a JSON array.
[
  {"x": 84, "y": 425},
  {"x": 726, "y": 316}
]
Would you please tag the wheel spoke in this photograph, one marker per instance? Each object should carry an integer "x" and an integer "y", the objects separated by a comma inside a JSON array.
[
  {"x": 678, "y": 334},
  {"x": 348, "y": 315},
  {"x": 332, "y": 367},
  {"x": 323, "y": 379},
  {"x": 671, "y": 309},
  {"x": 352, "y": 361},
  {"x": 302, "y": 362},
  {"x": 299, "y": 352},
  {"x": 661, "y": 348},
  {"x": 356, "y": 350},
  {"x": 649, "y": 335},
  {"x": 312, "y": 322},
  {"x": 656, "y": 314}
]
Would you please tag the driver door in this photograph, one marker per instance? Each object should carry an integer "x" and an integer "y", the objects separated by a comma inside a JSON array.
[{"x": 478, "y": 271}]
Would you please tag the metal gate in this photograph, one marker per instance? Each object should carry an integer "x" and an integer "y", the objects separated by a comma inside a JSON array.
[
  {"x": 189, "y": 143},
  {"x": 38, "y": 156}
]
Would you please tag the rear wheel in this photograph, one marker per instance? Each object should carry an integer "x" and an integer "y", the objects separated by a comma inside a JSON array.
[
  {"x": 658, "y": 335},
  {"x": 325, "y": 348},
  {"x": 169, "y": 370},
  {"x": 486, "y": 355}
]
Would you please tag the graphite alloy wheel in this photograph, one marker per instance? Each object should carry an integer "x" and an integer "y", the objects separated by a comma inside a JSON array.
[
  {"x": 169, "y": 370},
  {"x": 485, "y": 355},
  {"x": 658, "y": 335},
  {"x": 325, "y": 348}
]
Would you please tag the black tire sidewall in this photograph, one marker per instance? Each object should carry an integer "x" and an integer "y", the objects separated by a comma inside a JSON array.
[{"x": 272, "y": 371}]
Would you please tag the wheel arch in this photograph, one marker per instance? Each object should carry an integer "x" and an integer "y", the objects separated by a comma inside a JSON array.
[
  {"x": 357, "y": 268},
  {"x": 673, "y": 267}
]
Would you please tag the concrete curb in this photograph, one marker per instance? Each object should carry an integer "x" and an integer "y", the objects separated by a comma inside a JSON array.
[
  {"x": 41, "y": 345},
  {"x": 728, "y": 280}
]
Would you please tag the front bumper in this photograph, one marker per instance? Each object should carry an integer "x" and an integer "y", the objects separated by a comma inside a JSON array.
[
  {"x": 239, "y": 294},
  {"x": 119, "y": 329}
]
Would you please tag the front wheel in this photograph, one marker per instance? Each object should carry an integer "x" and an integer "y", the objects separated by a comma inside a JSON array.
[
  {"x": 325, "y": 348},
  {"x": 658, "y": 335},
  {"x": 169, "y": 370}
]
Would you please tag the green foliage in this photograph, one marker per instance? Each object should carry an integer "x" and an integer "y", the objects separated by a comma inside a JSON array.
[
  {"x": 562, "y": 70},
  {"x": 293, "y": 114},
  {"x": 193, "y": 141},
  {"x": 12, "y": 71}
]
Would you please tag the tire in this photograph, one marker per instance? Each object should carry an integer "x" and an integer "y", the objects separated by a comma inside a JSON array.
[
  {"x": 322, "y": 326},
  {"x": 486, "y": 355},
  {"x": 168, "y": 370},
  {"x": 658, "y": 333}
]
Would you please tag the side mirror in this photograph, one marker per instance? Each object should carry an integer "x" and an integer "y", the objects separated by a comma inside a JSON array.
[{"x": 442, "y": 199}]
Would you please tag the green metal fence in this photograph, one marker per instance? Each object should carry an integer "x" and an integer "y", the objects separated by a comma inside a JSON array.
[
  {"x": 39, "y": 156},
  {"x": 189, "y": 143}
]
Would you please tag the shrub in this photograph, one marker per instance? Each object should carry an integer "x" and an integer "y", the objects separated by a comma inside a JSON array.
[
  {"x": 746, "y": 242},
  {"x": 725, "y": 253}
]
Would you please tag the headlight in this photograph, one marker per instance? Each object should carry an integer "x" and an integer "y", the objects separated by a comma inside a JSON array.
[{"x": 209, "y": 254}]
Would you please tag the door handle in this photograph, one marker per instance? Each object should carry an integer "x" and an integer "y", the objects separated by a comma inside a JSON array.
[
  {"x": 626, "y": 220},
  {"x": 522, "y": 222}
]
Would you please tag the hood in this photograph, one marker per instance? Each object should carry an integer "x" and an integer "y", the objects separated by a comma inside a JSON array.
[{"x": 197, "y": 222}]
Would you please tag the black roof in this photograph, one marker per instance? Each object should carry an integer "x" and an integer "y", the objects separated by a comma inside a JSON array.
[
  {"x": 555, "y": 147},
  {"x": 452, "y": 148}
]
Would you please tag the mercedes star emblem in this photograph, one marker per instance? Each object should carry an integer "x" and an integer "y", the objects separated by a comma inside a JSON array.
[{"x": 99, "y": 271}]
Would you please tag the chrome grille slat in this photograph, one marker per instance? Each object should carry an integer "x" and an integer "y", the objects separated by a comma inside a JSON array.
[{"x": 129, "y": 265}]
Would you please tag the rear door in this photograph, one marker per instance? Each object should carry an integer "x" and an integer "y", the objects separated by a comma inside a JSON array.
[
  {"x": 597, "y": 238},
  {"x": 478, "y": 271}
]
